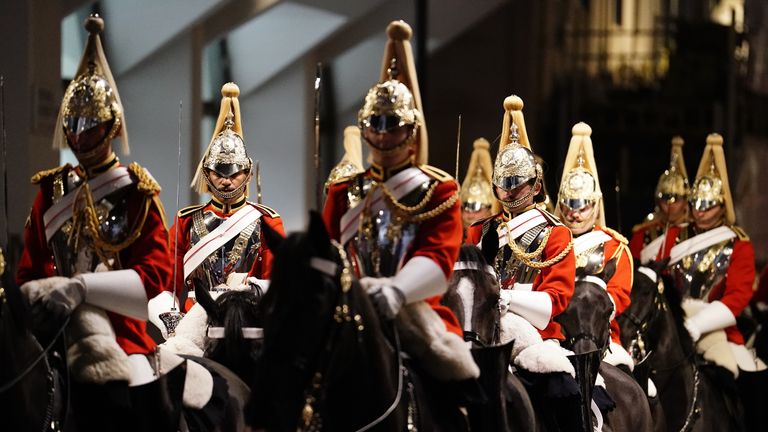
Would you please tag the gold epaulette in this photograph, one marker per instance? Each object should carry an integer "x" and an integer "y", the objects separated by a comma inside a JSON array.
[
  {"x": 552, "y": 219},
  {"x": 147, "y": 183},
  {"x": 615, "y": 234},
  {"x": 436, "y": 173},
  {"x": 269, "y": 211},
  {"x": 345, "y": 179},
  {"x": 186, "y": 211},
  {"x": 40, "y": 176},
  {"x": 645, "y": 224},
  {"x": 740, "y": 233}
]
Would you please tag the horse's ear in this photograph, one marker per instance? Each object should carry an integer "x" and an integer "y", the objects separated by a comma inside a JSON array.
[
  {"x": 203, "y": 297},
  {"x": 318, "y": 234},
  {"x": 609, "y": 270},
  {"x": 272, "y": 238},
  {"x": 490, "y": 244}
]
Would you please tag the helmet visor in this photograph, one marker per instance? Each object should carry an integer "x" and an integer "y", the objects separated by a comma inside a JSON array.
[
  {"x": 510, "y": 183},
  {"x": 702, "y": 204},
  {"x": 574, "y": 204},
  {"x": 78, "y": 125},
  {"x": 669, "y": 197},
  {"x": 474, "y": 206},
  {"x": 227, "y": 169},
  {"x": 382, "y": 123}
]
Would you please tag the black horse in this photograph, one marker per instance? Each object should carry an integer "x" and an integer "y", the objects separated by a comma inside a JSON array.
[
  {"x": 235, "y": 332},
  {"x": 328, "y": 362},
  {"x": 473, "y": 296},
  {"x": 586, "y": 324},
  {"x": 29, "y": 385},
  {"x": 652, "y": 326}
]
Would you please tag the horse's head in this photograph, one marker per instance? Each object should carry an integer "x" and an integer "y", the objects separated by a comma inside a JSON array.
[
  {"x": 235, "y": 330},
  {"x": 586, "y": 321},
  {"x": 315, "y": 318},
  {"x": 640, "y": 320},
  {"x": 473, "y": 295}
]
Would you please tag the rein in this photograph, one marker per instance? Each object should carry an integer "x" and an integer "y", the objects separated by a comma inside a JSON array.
[
  {"x": 342, "y": 315},
  {"x": 7, "y": 386}
]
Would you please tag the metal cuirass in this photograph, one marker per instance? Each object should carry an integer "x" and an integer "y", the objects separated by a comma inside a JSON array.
[
  {"x": 591, "y": 260},
  {"x": 695, "y": 275},
  {"x": 236, "y": 256},
  {"x": 383, "y": 237},
  {"x": 72, "y": 251},
  {"x": 511, "y": 270}
]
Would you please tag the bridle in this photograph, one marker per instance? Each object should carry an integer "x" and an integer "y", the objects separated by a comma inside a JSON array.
[
  {"x": 585, "y": 335},
  {"x": 50, "y": 377},
  {"x": 638, "y": 346},
  {"x": 343, "y": 314}
]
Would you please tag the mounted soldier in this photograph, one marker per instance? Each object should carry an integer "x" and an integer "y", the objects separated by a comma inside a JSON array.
[
  {"x": 713, "y": 267},
  {"x": 400, "y": 219},
  {"x": 219, "y": 243},
  {"x": 96, "y": 247},
  {"x": 671, "y": 210},
  {"x": 531, "y": 254},
  {"x": 580, "y": 206}
]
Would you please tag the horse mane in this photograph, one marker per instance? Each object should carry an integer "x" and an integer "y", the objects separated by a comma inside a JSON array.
[
  {"x": 675, "y": 303},
  {"x": 237, "y": 309}
]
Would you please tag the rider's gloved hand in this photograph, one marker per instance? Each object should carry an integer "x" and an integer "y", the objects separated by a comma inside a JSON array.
[
  {"x": 57, "y": 296},
  {"x": 386, "y": 298}
]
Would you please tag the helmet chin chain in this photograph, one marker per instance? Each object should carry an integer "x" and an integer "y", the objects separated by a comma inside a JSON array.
[
  {"x": 225, "y": 196},
  {"x": 509, "y": 206},
  {"x": 389, "y": 151}
]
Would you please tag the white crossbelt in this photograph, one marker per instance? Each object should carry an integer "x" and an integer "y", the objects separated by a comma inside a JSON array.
[
  {"x": 219, "y": 237},
  {"x": 700, "y": 242},
  {"x": 589, "y": 240},
  {"x": 519, "y": 225},
  {"x": 101, "y": 186},
  {"x": 401, "y": 184},
  {"x": 651, "y": 250}
]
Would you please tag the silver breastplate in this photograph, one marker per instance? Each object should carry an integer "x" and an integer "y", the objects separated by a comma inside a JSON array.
[
  {"x": 236, "y": 256},
  {"x": 695, "y": 275},
  {"x": 383, "y": 237},
  {"x": 591, "y": 260},
  {"x": 72, "y": 245},
  {"x": 510, "y": 269}
]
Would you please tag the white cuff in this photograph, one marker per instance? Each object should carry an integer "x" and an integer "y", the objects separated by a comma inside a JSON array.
[
  {"x": 534, "y": 306},
  {"x": 420, "y": 278},
  {"x": 163, "y": 302},
  {"x": 262, "y": 283},
  {"x": 119, "y": 291},
  {"x": 236, "y": 280},
  {"x": 714, "y": 316}
]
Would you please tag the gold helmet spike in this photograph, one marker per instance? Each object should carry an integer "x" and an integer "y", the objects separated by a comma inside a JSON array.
[
  {"x": 397, "y": 92},
  {"x": 226, "y": 153},
  {"x": 711, "y": 186},
  {"x": 477, "y": 188},
  {"x": 92, "y": 97},
  {"x": 515, "y": 162},
  {"x": 352, "y": 161},
  {"x": 673, "y": 182},
  {"x": 580, "y": 184}
]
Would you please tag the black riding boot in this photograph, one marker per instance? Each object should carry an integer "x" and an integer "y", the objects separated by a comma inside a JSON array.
[{"x": 753, "y": 388}]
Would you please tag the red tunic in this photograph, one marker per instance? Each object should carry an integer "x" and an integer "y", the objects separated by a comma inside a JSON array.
[
  {"x": 556, "y": 280},
  {"x": 262, "y": 266},
  {"x": 735, "y": 290},
  {"x": 620, "y": 285},
  {"x": 642, "y": 234},
  {"x": 148, "y": 255},
  {"x": 438, "y": 238}
]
